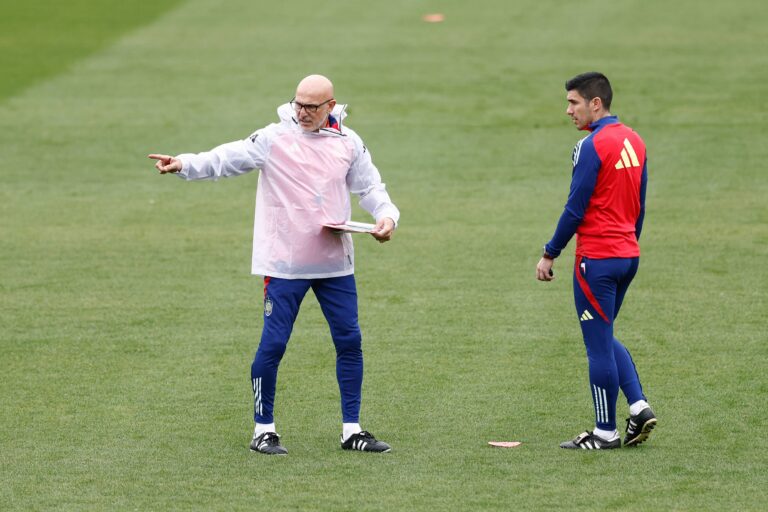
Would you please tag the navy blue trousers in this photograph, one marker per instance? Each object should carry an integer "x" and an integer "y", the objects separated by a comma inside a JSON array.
[
  {"x": 338, "y": 300},
  {"x": 599, "y": 286}
]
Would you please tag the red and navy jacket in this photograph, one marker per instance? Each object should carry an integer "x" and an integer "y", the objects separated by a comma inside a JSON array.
[{"x": 606, "y": 204}]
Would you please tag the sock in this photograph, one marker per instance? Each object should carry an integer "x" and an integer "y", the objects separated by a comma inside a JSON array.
[
  {"x": 350, "y": 429},
  {"x": 263, "y": 427},
  {"x": 606, "y": 435},
  {"x": 637, "y": 407}
]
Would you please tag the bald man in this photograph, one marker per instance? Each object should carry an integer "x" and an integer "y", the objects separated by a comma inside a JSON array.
[{"x": 309, "y": 164}]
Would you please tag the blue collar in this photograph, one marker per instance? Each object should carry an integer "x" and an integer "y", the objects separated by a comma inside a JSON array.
[{"x": 603, "y": 122}]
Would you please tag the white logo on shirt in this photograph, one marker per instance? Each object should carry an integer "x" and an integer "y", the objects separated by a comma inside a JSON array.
[{"x": 577, "y": 151}]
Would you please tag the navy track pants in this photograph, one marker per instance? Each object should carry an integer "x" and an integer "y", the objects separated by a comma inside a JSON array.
[
  {"x": 599, "y": 286},
  {"x": 338, "y": 300}
]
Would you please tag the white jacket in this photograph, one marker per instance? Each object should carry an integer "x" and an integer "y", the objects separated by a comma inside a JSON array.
[{"x": 304, "y": 183}]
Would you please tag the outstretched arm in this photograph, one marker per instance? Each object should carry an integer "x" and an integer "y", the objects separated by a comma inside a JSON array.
[{"x": 224, "y": 161}]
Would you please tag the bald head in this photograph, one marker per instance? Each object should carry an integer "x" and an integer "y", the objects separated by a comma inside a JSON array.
[
  {"x": 313, "y": 102},
  {"x": 315, "y": 85}
]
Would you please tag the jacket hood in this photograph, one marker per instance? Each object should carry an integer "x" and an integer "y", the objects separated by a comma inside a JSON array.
[{"x": 339, "y": 112}]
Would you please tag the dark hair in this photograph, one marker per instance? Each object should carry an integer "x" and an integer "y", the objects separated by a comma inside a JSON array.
[{"x": 592, "y": 85}]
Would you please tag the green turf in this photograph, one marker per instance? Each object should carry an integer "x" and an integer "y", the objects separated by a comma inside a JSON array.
[
  {"x": 128, "y": 319},
  {"x": 40, "y": 38}
]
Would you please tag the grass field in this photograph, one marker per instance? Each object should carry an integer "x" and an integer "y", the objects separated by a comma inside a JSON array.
[{"x": 128, "y": 319}]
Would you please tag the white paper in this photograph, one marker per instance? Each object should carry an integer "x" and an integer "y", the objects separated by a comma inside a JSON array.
[{"x": 351, "y": 227}]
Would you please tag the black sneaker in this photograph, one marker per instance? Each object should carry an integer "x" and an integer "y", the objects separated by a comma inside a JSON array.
[
  {"x": 269, "y": 443},
  {"x": 639, "y": 427},
  {"x": 365, "y": 442},
  {"x": 589, "y": 441}
]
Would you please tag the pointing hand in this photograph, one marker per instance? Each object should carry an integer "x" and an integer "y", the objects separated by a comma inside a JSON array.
[{"x": 166, "y": 163}]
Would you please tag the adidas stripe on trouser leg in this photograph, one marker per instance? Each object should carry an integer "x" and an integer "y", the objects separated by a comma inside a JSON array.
[
  {"x": 282, "y": 299},
  {"x": 599, "y": 286}
]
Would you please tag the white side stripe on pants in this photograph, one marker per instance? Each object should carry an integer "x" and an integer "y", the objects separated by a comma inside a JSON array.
[
  {"x": 257, "y": 395},
  {"x": 601, "y": 404}
]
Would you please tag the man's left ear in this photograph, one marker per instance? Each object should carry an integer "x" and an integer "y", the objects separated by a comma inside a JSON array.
[{"x": 596, "y": 103}]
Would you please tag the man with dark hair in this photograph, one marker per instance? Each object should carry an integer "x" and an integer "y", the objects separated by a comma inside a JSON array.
[
  {"x": 592, "y": 85},
  {"x": 605, "y": 209}
]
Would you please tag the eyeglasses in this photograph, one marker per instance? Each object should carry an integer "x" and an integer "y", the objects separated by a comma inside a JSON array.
[{"x": 310, "y": 109}]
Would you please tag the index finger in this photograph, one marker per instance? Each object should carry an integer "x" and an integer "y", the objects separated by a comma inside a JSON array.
[{"x": 156, "y": 156}]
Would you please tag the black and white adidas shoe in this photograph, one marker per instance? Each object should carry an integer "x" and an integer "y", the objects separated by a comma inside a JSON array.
[
  {"x": 589, "y": 441},
  {"x": 365, "y": 442},
  {"x": 269, "y": 443},
  {"x": 639, "y": 427}
]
